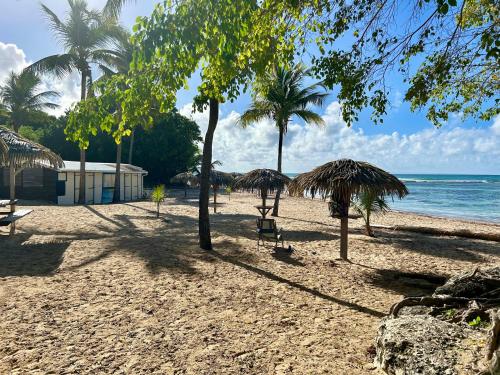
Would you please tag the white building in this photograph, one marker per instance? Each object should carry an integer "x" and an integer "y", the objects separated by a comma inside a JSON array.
[{"x": 100, "y": 181}]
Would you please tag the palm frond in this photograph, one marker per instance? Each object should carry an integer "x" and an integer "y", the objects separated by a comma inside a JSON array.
[
  {"x": 59, "y": 65},
  {"x": 114, "y": 7},
  {"x": 309, "y": 117}
]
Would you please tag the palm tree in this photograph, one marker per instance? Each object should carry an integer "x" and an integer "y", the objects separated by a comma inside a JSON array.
[
  {"x": 280, "y": 96},
  {"x": 85, "y": 35},
  {"x": 118, "y": 62},
  {"x": 367, "y": 203},
  {"x": 21, "y": 95}
]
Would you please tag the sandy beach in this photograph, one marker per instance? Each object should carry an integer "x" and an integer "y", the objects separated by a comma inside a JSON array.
[{"x": 112, "y": 289}]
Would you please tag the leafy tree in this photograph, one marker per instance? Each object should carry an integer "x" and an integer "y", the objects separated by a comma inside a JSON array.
[
  {"x": 280, "y": 96},
  {"x": 85, "y": 35},
  {"x": 368, "y": 203},
  {"x": 447, "y": 51},
  {"x": 118, "y": 63},
  {"x": 21, "y": 95},
  {"x": 168, "y": 147},
  {"x": 228, "y": 41}
]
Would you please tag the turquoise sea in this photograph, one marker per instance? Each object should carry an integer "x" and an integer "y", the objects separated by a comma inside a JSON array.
[{"x": 473, "y": 197}]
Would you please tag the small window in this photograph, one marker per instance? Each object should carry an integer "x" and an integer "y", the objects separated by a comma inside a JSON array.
[{"x": 61, "y": 188}]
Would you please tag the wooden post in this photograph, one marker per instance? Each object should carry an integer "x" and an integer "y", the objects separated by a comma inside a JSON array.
[
  {"x": 343, "y": 237},
  {"x": 12, "y": 181},
  {"x": 215, "y": 198},
  {"x": 13, "y": 224}
]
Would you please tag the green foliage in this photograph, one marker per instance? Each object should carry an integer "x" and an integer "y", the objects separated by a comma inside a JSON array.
[
  {"x": 447, "y": 51},
  {"x": 476, "y": 322},
  {"x": 450, "y": 313},
  {"x": 226, "y": 40},
  {"x": 367, "y": 203},
  {"x": 158, "y": 196},
  {"x": 20, "y": 96},
  {"x": 280, "y": 94},
  {"x": 168, "y": 147}
]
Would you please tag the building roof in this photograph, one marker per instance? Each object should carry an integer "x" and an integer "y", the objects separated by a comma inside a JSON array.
[{"x": 74, "y": 166}]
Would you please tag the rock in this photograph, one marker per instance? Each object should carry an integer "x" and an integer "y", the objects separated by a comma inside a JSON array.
[
  {"x": 422, "y": 345},
  {"x": 471, "y": 284},
  {"x": 426, "y": 338}
]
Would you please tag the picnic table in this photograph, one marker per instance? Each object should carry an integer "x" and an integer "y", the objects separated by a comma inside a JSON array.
[
  {"x": 10, "y": 217},
  {"x": 264, "y": 210}
]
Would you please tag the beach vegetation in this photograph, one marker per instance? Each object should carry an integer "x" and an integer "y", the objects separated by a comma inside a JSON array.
[
  {"x": 158, "y": 196},
  {"x": 228, "y": 42},
  {"x": 367, "y": 203},
  {"x": 280, "y": 95},
  {"x": 21, "y": 95},
  {"x": 85, "y": 34},
  {"x": 445, "y": 51}
]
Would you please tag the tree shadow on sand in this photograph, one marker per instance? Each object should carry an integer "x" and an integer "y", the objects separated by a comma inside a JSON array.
[
  {"x": 271, "y": 276},
  {"x": 409, "y": 284},
  {"x": 19, "y": 257}
]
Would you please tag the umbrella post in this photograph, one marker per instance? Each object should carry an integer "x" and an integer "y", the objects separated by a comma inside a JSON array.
[
  {"x": 12, "y": 180},
  {"x": 343, "y": 237}
]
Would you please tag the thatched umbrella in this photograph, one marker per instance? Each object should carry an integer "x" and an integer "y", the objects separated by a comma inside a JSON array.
[
  {"x": 341, "y": 179},
  {"x": 219, "y": 179},
  {"x": 22, "y": 153},
  {"x": 263, "y": 180},
  {"x": 185, "y": 178}
]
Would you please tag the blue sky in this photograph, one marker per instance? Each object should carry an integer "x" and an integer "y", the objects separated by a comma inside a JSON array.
[{"x": 405, "y": 142}]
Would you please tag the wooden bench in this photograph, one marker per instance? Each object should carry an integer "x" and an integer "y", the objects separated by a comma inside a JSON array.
[
  {"x": 10, "y": 217},
  {"x": 13, "y": 217}
]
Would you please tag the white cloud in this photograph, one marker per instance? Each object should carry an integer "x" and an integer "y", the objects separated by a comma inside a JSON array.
[
  {"x": 446, "y": 150},
  {"x": 12, "y": 58}
]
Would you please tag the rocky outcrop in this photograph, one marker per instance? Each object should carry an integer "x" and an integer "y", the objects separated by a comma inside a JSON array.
[{"x": 454, "y": 331}]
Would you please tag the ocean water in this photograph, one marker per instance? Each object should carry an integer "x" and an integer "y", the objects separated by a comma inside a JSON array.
[{"x": 473, "y": 197}]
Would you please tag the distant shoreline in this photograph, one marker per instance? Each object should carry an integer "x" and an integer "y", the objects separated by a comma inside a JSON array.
[{"x": 466, "y": 220}]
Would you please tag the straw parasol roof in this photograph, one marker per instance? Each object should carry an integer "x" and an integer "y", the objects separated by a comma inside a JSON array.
[
  {"x": 185, "y": 178},
  {"x": 346, "y": 177},
  {"x": 268, "y": 180},
  {"x": 3, "y": 152},
  {"x": 23, "y": 153},
  {"x": 341, "y": 179},
  {"x": 218, "y": 178}
]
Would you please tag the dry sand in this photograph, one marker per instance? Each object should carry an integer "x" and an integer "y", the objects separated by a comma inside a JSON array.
[{"x": 112, "y": 289}]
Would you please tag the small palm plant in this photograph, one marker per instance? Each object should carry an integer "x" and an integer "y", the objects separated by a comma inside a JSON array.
[
  {"x": 229, "y": 190},
  {"x": 158, "y": 196},
  {"x": 368, "y": 203}
]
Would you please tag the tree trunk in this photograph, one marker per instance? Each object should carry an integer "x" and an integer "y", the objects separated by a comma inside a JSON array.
[
  {"x": 206, "y": 164},
  {"x": 117, "y": 190},
  {"x": 369, "y": 231},
  {"x": 343, "y": 237},
  {"x": 280, "y": 154},
  {"x": 81, "y": 193},
  {"x": 131, "y": 146},
  {"x": 12, "y": 180}
]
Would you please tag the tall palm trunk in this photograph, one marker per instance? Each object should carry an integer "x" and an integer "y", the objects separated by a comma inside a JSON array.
[
  {"x": 206, "y": 166},
  {"x": 280, "y": 155},
  {"x": 117, "y": 189},
  {"x": 81, "y": 193},
  {"x": 131, "y": 147}
]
